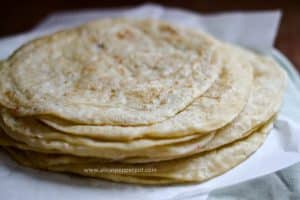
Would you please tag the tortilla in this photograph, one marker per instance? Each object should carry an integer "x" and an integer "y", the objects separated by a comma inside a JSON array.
[
  {"x": 213, "y": 110},
  {"x": 110, "y": 72},
  {"x": 136, "y": 101},
  {"x": 263, "y": 103},
  {"x": 196, "y": 168}
]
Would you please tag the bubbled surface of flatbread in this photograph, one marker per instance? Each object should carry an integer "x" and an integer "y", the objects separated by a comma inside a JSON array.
[
  {"x": 115, "y": 72},
  {"x": 223, "y": 101}
]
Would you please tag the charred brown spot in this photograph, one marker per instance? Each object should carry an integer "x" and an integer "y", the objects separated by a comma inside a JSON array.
[
  {"x": 10, "y": 95},
  {"x": 89, "y": 68},
  {"x": 168, "y": 29},
  {"x": 118, "y": 58},
  {"x": 101, "y": 45},
  {"x": 125, "y": 34},
  {"x": 93, "y": 88}
]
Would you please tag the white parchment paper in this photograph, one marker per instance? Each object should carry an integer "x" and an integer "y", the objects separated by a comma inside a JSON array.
[{"x": 255, "y": 30}]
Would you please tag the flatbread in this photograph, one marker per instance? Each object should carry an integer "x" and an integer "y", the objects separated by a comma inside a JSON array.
[
  {"x": 110, "y": 72},
  {"x": 213, "y": 110},
  {"x": 182, "y": 150},
  {"x": 136, "y": 101},
  {"x": 263, "y": 103},
  {"x": 198, "y": 168},
  {"x": 83, "y": 146}
]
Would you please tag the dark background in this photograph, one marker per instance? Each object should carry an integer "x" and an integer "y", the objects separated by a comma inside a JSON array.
[{"x": 19, "y": 16}]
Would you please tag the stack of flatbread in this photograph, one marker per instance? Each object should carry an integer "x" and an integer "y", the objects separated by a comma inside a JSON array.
[{"x": 137, "y": 101}]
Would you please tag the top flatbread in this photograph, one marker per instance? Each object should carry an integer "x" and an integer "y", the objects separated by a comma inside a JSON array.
[
  {"x": 110, "y": 72},
  {"x": 213, "y": 110}
]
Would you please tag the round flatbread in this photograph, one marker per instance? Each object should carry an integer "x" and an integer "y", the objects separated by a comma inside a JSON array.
[
  {"x": 263, "y": 103},
  {"x": 213, "y": 110},
  {"x": 110, "y": 72},
  {"x": 60, "y": 143},
  {"x": 197, "y": 168}
]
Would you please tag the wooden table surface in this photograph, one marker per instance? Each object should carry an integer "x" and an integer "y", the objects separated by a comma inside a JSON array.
[{"x": 19, "y": 16}]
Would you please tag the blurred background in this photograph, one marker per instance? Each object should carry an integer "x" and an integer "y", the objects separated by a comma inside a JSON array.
[{"x": 19, "y": 16}]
